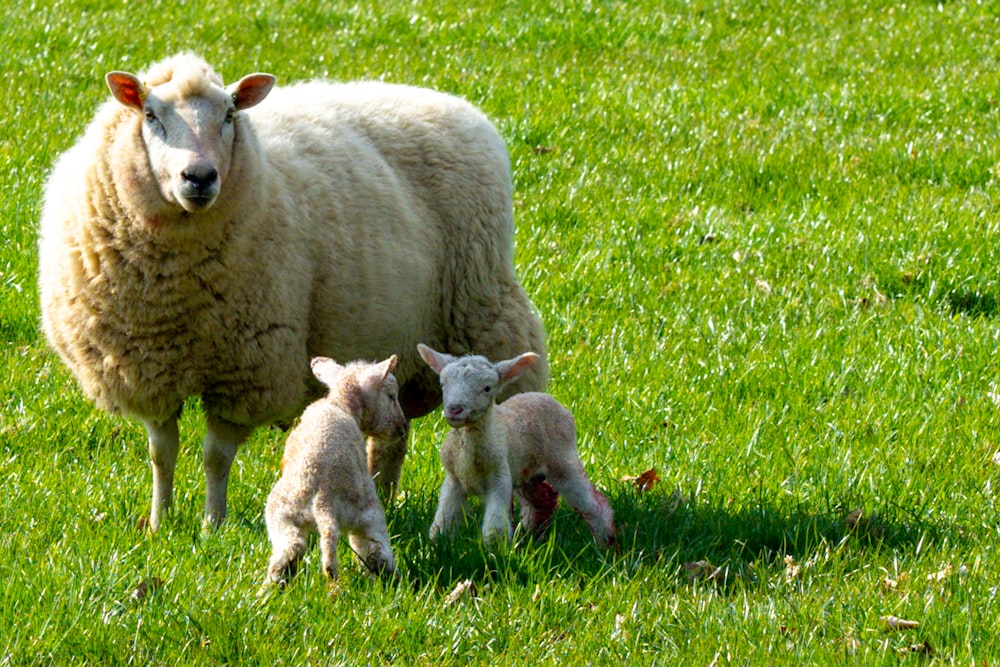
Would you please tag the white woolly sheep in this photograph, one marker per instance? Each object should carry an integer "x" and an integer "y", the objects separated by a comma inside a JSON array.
[
  {"x": 208, "y": 241},
  {"x": 324, "y": 484},
  {"x": 525, "y": 446}
]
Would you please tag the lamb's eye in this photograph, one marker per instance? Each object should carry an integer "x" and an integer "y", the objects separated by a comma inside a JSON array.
[
  {"x": 229, "y": 115},
  {"x": 150, "y": 116},
  {"x": 487, "y": 389}
]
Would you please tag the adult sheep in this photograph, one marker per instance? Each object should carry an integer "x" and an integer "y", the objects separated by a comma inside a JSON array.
[{"x": 208, "y": 241}]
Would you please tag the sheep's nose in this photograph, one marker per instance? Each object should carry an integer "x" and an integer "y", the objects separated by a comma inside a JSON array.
[
  {"x": 201, "y": 177},
  {"x": 453, "y": 410}
]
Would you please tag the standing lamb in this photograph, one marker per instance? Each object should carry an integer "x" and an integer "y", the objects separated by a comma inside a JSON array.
[
  {"x": 209, "y": 241},
  {"x": 324, "y": 484},
  {"x": 525, "y": 446}
]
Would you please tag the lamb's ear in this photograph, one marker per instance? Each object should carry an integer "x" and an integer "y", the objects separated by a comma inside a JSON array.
[
  {"x": 324, "y": 368},
  {"x": 510, "y": 369},
  {"x": 383, "y": 369},
  {"x": 436, "y": 360},
  {"x": 251, "y": 90},
  {"x": 127, "y": 89}
]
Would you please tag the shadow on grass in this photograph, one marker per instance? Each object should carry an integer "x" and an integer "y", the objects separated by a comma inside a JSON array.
[
  {"x": 972, "y": 303},
  {"x": 664, "y": 523}
]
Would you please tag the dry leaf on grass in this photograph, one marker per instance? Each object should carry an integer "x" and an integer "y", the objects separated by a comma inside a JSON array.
[
  {"x": 792, "y": 569},
  {"x": 702, "y": 570},
  {"x": 137, "y": 595},
  {"x": 145, "y": 588},
  {"x": 893, "y": 623},
  {"x": 645, "y": 481},
  {"x": 918, "y": 649},
  {"x": 462, "y": 589}
]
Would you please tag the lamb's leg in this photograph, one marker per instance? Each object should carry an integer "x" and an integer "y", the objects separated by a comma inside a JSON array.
[
  {"x": 370, "y": 541},
  {"x": 496, "y": 520},
  {"x": 164, "y": 439},
  {"x": 538, "y": 501},
  {"x": 451, "y": 504},
  {"x": 589, "y": 503},
  {"x": 385, "y": 462},
  {"x": 326, "y": 524},
  {"x": 221, "y": 442},
  {"x": 288, "y": 544}
]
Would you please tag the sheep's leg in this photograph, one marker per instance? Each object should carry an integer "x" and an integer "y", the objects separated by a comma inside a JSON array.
[
  {"x": 451, "y": 504},
  {"x": 589, "y": 503},
  {"x": 385, "y": 462},
  {"x": 164, "y": 439},
  {"x": 221, "y": 442},
  {"x": 496, "y": 521}
]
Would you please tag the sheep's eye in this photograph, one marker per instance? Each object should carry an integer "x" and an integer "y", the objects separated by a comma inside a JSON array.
[
  {"x": 149, "y": 114},
  {"x": 229, "y": 115},
  {"x": 487, "y": 389}
]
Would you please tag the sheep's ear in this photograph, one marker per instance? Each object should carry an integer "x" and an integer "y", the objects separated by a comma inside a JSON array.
[
  {"x": 383, "y": 369},
  {"x": 127, "y": 89},
  {"x": 436, "y": 360},
  {"x": 251, "y": 90},
  {"x": 510, "y": 369}
]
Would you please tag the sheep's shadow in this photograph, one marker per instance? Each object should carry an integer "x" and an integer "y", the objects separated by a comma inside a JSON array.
[{"x": 663, "y": 522}]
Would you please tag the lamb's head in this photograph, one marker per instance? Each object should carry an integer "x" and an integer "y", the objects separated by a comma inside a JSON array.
[
  {"x": 368, "y": 390},
  {"x": 188, "y": 124},
  {"x": 469, "y": 384}
]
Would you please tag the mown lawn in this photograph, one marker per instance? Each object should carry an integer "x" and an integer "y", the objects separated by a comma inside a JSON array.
[{"x": 763, "y": 239}]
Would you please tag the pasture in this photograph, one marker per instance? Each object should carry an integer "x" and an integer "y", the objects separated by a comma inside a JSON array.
[{"x": 764, "y": 240}]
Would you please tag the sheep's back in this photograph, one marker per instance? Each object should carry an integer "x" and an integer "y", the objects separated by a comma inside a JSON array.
[{"x": 406, "y": 193}]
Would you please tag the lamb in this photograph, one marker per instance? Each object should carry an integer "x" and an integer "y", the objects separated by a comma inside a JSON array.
[
  {"x": 325, "y": 485},
  {"x": 525, "y": 446},
  {"x": 208, "y": 241}
]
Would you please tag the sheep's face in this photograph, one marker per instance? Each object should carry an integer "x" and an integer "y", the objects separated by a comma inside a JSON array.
[
  {"x": 189, "y": 128},
  {"x": 189, "y": 143},
  {"x": 468, "y": 386}
]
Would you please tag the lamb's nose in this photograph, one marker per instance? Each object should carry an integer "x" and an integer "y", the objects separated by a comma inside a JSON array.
[{"x": 453, "y": 410}]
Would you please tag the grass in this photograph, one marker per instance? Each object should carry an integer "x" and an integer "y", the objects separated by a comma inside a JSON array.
[{"x": 763, "y": 238}]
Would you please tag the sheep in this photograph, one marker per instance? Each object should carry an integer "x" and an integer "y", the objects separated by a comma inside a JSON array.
[
  {"x": 208, "y": 241},
  {"x": 525, "y": 446},
  {"x": 325, "y": 485}
]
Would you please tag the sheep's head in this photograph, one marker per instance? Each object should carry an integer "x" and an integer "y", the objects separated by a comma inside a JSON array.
[
  {"x": 188, "y": 124},
  {"x": 470, "y": 384},
  {"x": 370, "y": 390}
]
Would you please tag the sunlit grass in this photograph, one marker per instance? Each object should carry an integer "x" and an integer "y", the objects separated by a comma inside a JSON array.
[{"x": 763, "y": 238}]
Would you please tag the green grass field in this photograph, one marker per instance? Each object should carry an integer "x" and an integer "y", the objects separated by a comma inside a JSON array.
[{"x": 763, "y": 238}]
